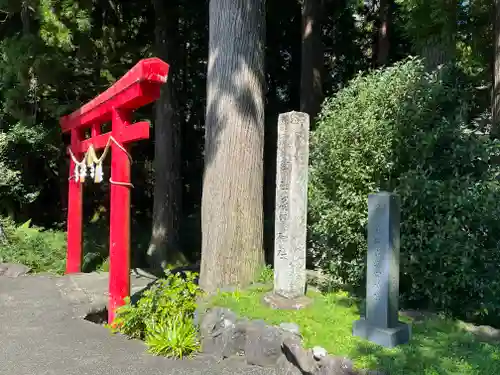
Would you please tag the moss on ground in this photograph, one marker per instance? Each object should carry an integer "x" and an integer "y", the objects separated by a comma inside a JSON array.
[{"x": 439, "y": 346}]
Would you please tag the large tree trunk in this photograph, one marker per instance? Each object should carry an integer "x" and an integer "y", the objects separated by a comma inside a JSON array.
[
  {"x": 164, "y": 245},
  {"x": 438, "y": 51},
  {"x": 232, "y": 202},
  {"x": 495, "y": 99},
  {"x": 383, "y": 43},
  {"x": 311, "y": 92},
  {"x": 440, "y": 47}
]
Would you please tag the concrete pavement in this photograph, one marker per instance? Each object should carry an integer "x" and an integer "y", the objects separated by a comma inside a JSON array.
[{"x": 42, "y": 333}]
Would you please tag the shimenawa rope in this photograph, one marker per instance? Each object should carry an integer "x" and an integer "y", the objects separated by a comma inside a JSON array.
[{"x": 90, "y": 159}]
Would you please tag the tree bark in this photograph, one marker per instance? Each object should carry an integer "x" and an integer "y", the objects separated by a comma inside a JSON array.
[
  {"x": 438, "y": 51},
  {"x": 164, "y": 245},
  {"x": 311, "y": 92},
  {"x": 495, "y": 99},
  {"x": 232, "y": 201},
  {"x": 440, "y": 48},
  {"x": 25, "y": 18},
  {"x": 3, "y": 238},
  {"x": 383, "y": 43}
]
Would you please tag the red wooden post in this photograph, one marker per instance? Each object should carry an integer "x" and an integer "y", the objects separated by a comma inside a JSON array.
[
  {"x": 119, "y": 240},
  {"x": 74, "y": 250},
  {"x": 140, "y": 86}
]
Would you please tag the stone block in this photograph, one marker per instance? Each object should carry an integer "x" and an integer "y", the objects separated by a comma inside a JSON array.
[
  {"x": 263, "y": 344},
  {"x": 387, "y": 337},
  {"x": 13, "y": 269},
  {"x": 381, "y": 324},
  {"x": 291, "y": 205}
]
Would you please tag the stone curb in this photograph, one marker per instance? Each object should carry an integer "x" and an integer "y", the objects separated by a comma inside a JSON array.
[
  {"x": 223, "y": 334},
  {"x": 14, "y": 270}
]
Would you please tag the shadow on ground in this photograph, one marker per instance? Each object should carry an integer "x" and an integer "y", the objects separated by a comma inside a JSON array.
[{"x": 438, "y": 346}]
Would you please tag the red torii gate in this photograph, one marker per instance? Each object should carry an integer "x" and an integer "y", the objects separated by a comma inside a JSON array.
[{"x": 140, "y": 86}]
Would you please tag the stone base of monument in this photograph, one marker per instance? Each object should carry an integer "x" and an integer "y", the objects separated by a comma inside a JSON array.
[
  {"x": 387, "y": 337},
  {"x": 278, "y": 302}
]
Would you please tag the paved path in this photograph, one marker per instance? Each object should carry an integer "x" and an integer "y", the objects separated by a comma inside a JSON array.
[{"x": 42, "y": 333}]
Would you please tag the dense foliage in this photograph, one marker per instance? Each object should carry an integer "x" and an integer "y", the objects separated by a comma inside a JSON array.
[
  {"x": 41, "y": 250},
  {"x": 163, "y": 316},
  {"x": 405, "y": 130}
]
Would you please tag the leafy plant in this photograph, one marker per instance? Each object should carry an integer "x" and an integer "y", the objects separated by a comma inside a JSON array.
[
  {"x": 129, "y": 320},
  {"x": 104, "y": 267},
  {"x": 176, "y": 337},
  {"x": 41, "y": 250},
  {"x": 163, "y": 316},
  {"x": 405, "y": 130},
  {"x": 266, "y": 275}
]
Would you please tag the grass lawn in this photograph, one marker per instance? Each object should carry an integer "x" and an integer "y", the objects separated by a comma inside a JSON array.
[{"x": 438, "y": 346}]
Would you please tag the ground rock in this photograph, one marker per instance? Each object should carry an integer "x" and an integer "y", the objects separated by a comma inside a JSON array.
[
  {"x": 217, "y": 331},
  {"x": 285, "y": 367},
  {"x": 13, "y": 270},
  {"x": 275, "y": 301},
  {"x": 223, "y": 334},
  {"x": 297, "y": 355},
  {"x": 290, "y": 327},
  {"x": 235, "y": 339},
  {"x": 318, "y": 352},
  {"x": 329, "y": 365},
  {"x": 263, "y": 344}
]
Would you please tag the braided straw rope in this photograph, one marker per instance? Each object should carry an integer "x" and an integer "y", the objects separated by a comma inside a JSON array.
[{"x": 90, "y": 158}]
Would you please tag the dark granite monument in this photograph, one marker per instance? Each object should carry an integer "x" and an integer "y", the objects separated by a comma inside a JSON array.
[{"x": 381, "y": 324}]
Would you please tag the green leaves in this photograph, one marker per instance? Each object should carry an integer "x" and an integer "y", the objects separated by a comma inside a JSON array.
[
  {"x": 404, "y": 130},
  {"x": 41, "y": 250},
  {"x": 176, "y": 337},
  {"x": 163, "y": 316}
]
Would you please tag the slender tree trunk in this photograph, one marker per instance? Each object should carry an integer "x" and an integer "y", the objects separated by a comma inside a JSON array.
[
  {"x": 495, "y": 99},
  {"x": 3, "y": 238},
  {"x": 25, "y": 18},
  {"x": 164, "y": 244},
  {"x": 383, "y": 43},
  {"x": 232, "y": 202},
  {"x": 27, "y": 73},
  {"x": 311, "y": 92}
]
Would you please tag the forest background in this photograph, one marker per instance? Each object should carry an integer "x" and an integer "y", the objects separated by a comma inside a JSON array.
[{"x": 57, "y": 55}]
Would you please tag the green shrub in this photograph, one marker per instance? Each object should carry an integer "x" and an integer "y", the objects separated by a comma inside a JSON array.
[
  {"x": 404, "y": 130},
  {"x": 266, "y": 276},
  {"x": 163, "y": 316},
  {"x": 42, "y": 250},
  {"x": 104, "y": 267}
]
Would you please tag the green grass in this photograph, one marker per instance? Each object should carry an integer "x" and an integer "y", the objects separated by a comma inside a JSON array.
[
  {"x": 45, "y": 250},
  {"x": 42, "y": 250},
  {"x": 438, "y": 346}
]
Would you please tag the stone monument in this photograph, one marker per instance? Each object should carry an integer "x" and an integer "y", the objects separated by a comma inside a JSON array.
[
  {"x": 381, "y": 324},
  {"x": 291, "y": 212}
]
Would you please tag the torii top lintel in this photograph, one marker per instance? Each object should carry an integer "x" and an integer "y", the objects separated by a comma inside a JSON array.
[{"x": 138, "y": 87}]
